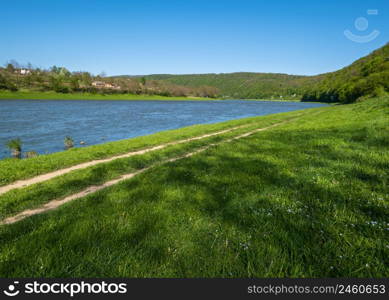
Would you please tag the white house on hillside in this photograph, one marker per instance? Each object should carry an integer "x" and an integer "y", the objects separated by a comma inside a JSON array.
[{"x": 24, "y": 71}]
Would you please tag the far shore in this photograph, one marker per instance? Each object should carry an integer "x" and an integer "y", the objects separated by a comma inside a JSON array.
[{"x": 36, "y": 95}]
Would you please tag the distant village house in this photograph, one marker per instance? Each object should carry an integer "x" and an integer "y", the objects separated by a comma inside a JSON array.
[
  {"x": 105, "y": 85},
  {"x": 23, "y": 71}
]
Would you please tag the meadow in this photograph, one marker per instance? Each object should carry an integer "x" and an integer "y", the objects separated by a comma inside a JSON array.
[{"x": 306, "y": 198}]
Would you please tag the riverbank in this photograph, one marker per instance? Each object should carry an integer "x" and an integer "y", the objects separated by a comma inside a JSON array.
[
  {"x": 94, "y": 122},
  {"x": 33, "y": 95},
  {"x": 297, "y": 194}
]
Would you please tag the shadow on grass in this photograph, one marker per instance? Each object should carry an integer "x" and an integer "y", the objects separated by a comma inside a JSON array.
[{"x": 254, "y": 207}]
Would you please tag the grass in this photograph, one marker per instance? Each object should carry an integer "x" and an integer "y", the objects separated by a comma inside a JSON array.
[
  {"x": 20, "y": 199},
  {"x": 35, "y": 95},
  {"x": 12, "y": 170},
  {"x": 306, "y": 199}
]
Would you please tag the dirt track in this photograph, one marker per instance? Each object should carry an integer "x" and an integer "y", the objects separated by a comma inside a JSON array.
[
  {"x": 58, "y": 202},
  {"x": 51, "y": 175}
]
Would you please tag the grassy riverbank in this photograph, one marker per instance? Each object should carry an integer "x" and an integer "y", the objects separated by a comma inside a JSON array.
[
  {"x": 32, "y": 95},
  {"x": 305, "y": 199},
  {"x": 12, "y": 170}
]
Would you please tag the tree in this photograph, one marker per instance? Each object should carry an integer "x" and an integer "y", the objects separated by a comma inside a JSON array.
[
  {"x": 15, "y": 146},
  {"x": 68, "y": 142},
  {"x": 86, "y": 78},
  {"x": 14, "y": 63},
  {"x": 55, "y": 69},
  {"x": 3, "y": 82},
  {"x": 7, "y": 84},
  {"x": 64, "y": 72},
  {"x": 143, "y": 81},
  {"x": 57, "y": 84},
  {"x": 10, "y": 68},
  {"x": 74, "y": 83}
]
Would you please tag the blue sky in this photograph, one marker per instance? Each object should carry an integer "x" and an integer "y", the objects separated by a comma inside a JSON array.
[{"x": 188, "y": 36}]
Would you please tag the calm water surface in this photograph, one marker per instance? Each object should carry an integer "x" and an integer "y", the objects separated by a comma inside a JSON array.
[{"x": 42, "y": 125}]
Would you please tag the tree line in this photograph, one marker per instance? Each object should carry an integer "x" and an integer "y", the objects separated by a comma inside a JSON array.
[
  {"x": 14, "y": 76},
  {"x": 366, "y": 77}
]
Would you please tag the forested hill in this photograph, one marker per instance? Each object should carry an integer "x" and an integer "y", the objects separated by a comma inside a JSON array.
[
  {"x": 368, "y": 76},
  {"x": 245, "y": 85}
]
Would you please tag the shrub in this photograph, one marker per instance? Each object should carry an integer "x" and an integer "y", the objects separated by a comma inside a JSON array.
[
  {"x": 15, "y": 146},
  {"x": 30, "y": 154},
  {"x": 68, "y": 142}
]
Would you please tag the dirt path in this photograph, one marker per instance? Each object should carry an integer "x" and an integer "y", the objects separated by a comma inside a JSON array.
[
  {"x": 58, "y": 202},
  {"x": 51, "y": 175}
]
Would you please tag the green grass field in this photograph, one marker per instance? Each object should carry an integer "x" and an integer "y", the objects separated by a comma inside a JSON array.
[
  {"x": 308, "y": 198},
  {"x": 33, "y": 95}
]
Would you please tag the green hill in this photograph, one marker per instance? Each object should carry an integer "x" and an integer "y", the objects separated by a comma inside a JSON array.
[
  {"x": 368, "y": 76},
  {"x": 245, "y": 85}
]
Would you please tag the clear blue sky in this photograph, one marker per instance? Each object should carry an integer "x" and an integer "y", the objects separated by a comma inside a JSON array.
[{"x": 188, "y": 36}]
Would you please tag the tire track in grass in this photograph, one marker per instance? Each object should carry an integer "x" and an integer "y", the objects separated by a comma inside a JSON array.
[
  {"x": 92, "y": 189},
  {"x": 47, "y": 176}
]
